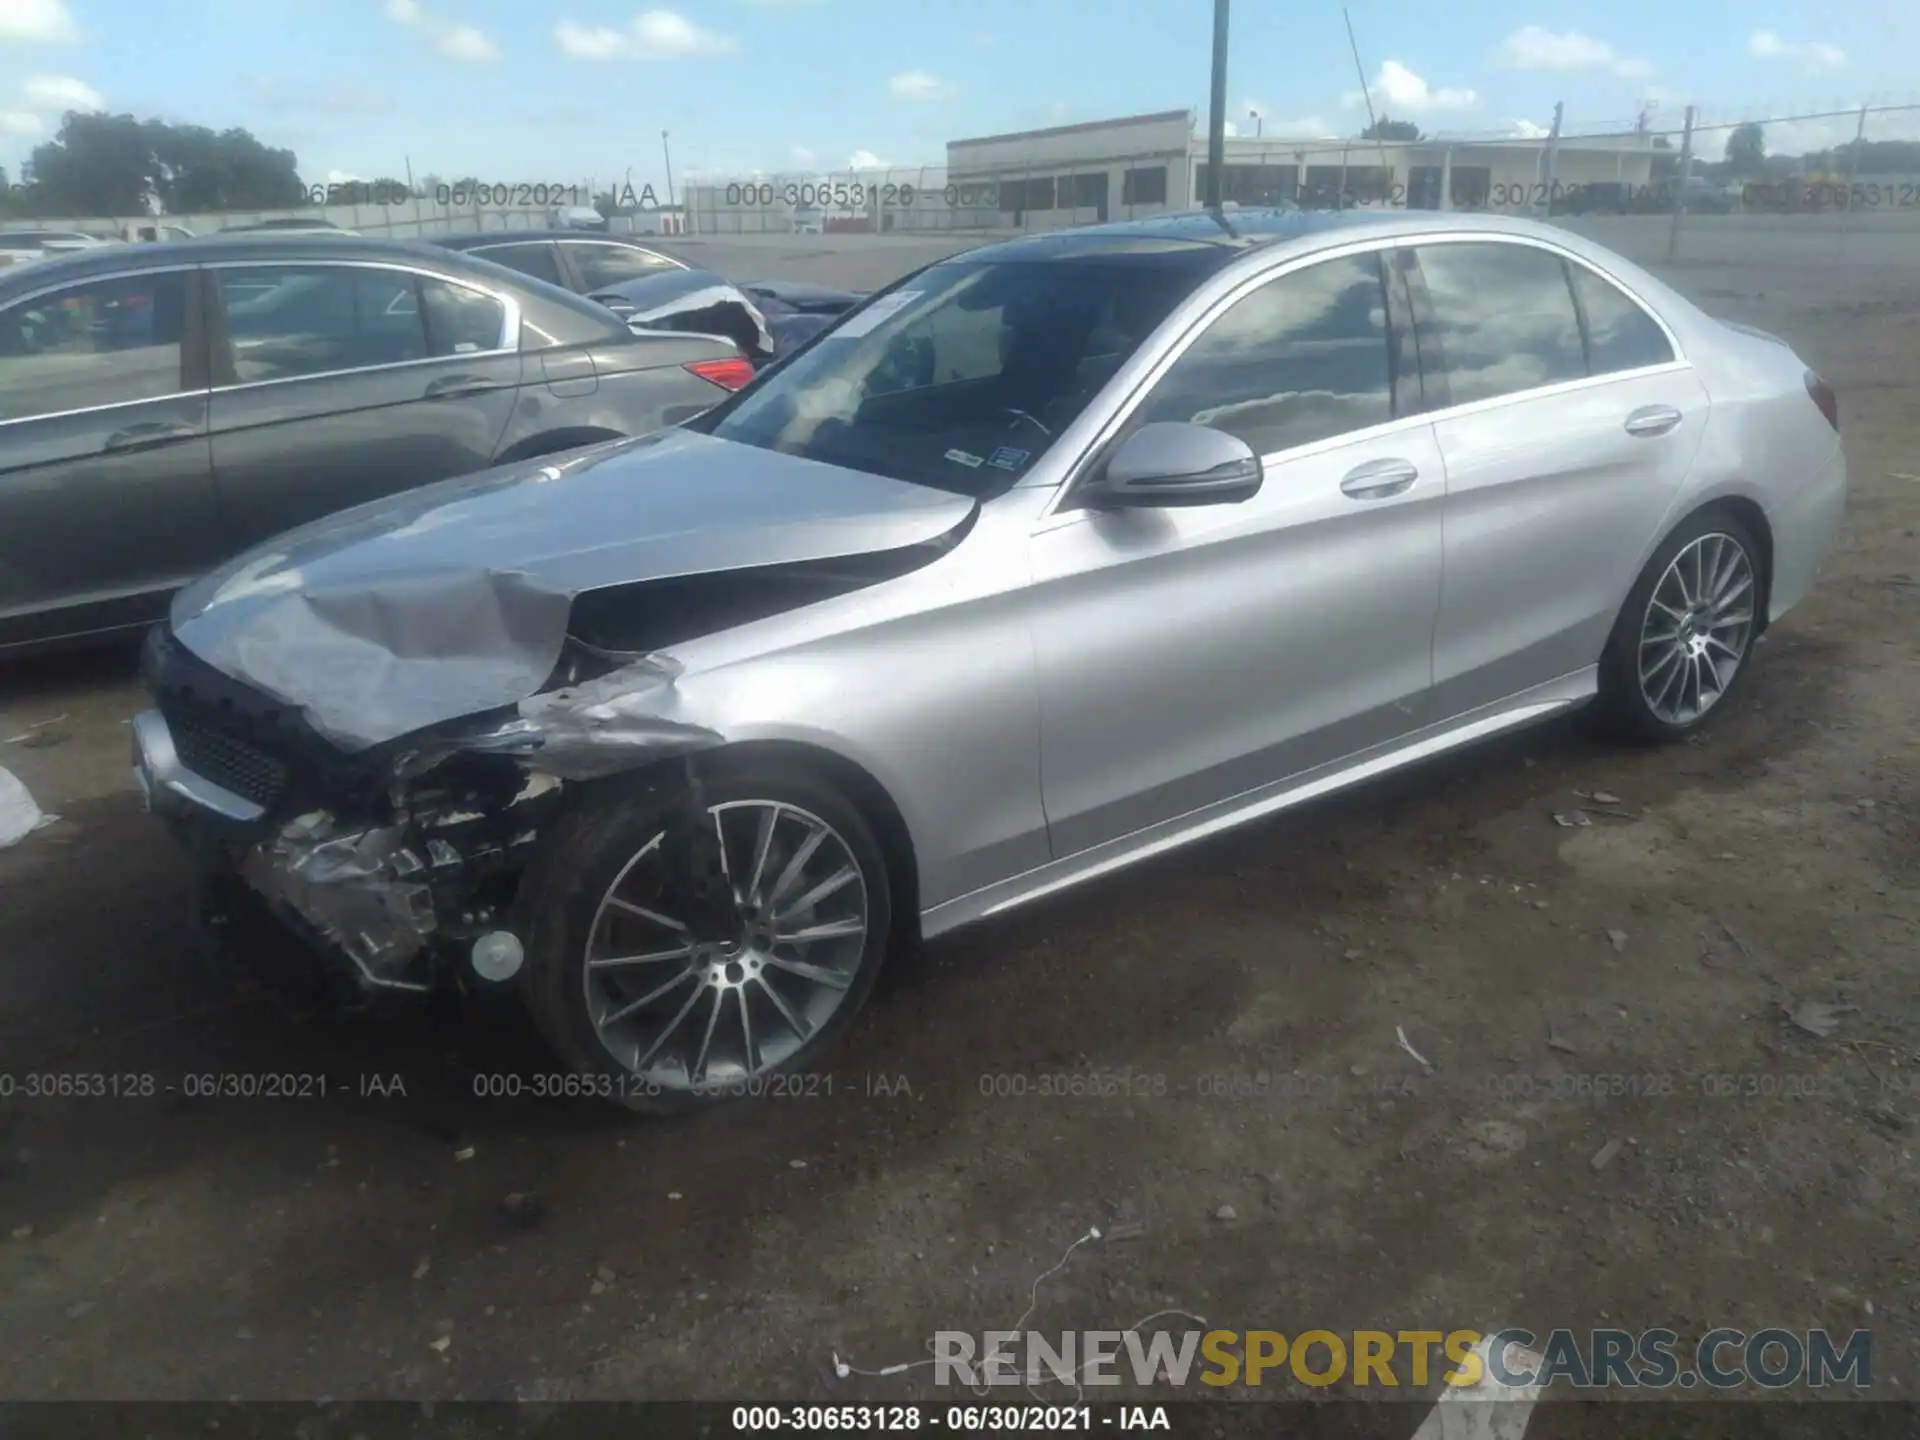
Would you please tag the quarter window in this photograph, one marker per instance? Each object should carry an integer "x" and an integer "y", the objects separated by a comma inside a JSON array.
[
  {"x": 1504, "y": 319},
  {"x": 604, "y": 265},
  {"x": 288, "y": 321},
  {"x": 1303, "y": 358},
  {"x": 103, "y": 343},
  {"x": 461, "y": 321},
  {"x": 1620, "y": 335}
]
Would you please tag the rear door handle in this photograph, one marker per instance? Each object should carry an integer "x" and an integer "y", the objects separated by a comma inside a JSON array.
[
  {"x": 453, "y": 387},
  {"x": 1378, "y": 479},
  {"x": 149, "y": 435},
  {"x": 1650, "y": 420}
]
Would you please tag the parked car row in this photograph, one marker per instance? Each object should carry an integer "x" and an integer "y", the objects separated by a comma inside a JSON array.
[{"x": 1048, "y": 558}]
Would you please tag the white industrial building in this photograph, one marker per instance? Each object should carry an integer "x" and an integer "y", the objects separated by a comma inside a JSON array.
[{"x": 1144, "y": 164}]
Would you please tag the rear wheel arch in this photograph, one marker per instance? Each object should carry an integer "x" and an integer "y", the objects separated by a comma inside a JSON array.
[{"x": 1750, "y": 514}]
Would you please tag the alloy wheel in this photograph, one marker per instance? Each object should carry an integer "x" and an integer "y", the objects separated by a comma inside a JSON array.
[
  {"x": 686, "y": 1006},
  {"x": 1697, "y": 630}
]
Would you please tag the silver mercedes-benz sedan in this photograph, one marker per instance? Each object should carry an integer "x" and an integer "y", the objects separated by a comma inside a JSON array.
[{"x": 1051, "y": 557}]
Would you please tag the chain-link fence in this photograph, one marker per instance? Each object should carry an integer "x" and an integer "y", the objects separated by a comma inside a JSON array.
[{"x": 1695, "y": 187}]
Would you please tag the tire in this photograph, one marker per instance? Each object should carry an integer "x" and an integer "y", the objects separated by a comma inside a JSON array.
[
  {"x": 604, "y": 846},
  {"x": 1661, "y": 699}
]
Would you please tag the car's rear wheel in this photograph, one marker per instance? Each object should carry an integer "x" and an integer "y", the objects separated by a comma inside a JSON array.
[
  {"x": 1686, "y": 633},
  {"x": 685, "y": 952}
]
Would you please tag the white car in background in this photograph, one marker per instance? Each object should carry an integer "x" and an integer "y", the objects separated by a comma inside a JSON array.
[{"x": 19, "y": 246}]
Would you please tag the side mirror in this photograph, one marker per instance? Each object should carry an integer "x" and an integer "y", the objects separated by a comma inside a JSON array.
[{"x": 1174, "y": 463}]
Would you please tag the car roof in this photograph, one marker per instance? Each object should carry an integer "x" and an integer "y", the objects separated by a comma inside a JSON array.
[
  {"x": 1191, "y": 236},
  {"x": 284, "y": 246},
  {"x": 466, "y": 240}
]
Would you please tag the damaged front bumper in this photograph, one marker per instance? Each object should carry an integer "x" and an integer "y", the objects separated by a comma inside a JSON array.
[
  {"x": 399, "y": 899},
  {"x": 399, "y": 864}
]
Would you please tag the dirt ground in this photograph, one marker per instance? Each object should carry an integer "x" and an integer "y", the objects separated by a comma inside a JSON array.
[{"x": 180, "y": 1247}]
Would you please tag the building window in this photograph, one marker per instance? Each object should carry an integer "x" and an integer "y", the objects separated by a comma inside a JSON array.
[
  {"x": 1144, "y": 187},
  {"x": 1019, "y": 195},
  {"x": 1083, "y": 192},
  {"x": 1250, "y": 184},
  {"x": 1472, "y": 184}
]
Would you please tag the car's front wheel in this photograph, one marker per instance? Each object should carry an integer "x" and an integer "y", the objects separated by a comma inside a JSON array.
[
  {"x": 683, "y": 951},
  {"x": 1686, "y": 633}
]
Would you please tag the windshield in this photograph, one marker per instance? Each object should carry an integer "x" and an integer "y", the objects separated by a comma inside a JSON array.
[{"x": 963, "y": 377}]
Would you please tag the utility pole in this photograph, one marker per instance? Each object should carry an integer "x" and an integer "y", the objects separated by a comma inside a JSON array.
[
  {"x": 1680, "y": 193},
  {"x": 667, "y": 155},
  {"x": 1217, "y": 111},
  {"x": 1552, "y": 157}
]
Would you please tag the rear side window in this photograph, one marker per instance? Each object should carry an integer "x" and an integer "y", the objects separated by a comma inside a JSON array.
[
  {"x": 286, "y": 321},
  {"x": 1504, "y": 319},
  {"x": 1303, "y": 358},
  {"x": 602, "y": 265},
  {"x": 539, "y": 261},
  {"x": 107, "y": 342},
  {"x": 1620, "y": 335}
]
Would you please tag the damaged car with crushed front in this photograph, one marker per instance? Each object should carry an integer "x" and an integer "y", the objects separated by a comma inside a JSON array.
[{"x": 1049, "y": 558}]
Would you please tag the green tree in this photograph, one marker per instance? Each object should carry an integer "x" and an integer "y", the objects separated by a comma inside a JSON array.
[
  {"x": 1747, "y": 150},
  {"x": 117, "y": 165},
  {"x": 1388, "y": 129}
]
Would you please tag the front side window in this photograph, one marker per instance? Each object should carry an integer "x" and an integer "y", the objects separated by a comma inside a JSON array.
[
  {"x": 285, "y": 321},
  {"x": 1620, "y": 335},
  {"x": 106, "y": 342},
  {"x": 964, "y": 375},
  {"x": 602, "y": 265},
  {"x": 1303, "y": 358},
  {"x": 1503, "y": 318}
]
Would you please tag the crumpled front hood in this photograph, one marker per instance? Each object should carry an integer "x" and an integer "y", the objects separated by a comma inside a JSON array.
[{"x": 453, "y": 599}]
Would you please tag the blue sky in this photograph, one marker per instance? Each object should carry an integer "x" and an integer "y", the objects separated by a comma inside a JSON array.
[{"x": 564, "y": 90}]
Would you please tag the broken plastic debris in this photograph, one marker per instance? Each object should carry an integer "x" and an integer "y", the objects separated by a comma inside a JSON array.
[
  {"x": 19, "y": 815},
  {"x": 441, "y": 1344},
  {"x": 43, "y": 733},
  {"x": 1400, "y": 1033},
  {"x": 1816, "y": 1017},
  {"x": 1617, "y": 939},
  {"x": 1603, "y": 1157},
  {"x": 464, "y": 1153}
]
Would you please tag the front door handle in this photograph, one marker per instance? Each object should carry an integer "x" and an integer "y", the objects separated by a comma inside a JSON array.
[
  {"x": 146, "y": 437},
  {"x": 1378, "y": 479},
  {"x": 1651, "y": 420},
  {"x": 453, "y": 387}
]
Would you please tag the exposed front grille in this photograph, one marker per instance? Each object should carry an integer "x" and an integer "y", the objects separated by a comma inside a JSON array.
[{"x": 231, "y": 763}]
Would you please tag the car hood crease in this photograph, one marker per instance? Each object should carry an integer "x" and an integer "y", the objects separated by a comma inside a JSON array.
[{"x": 454, "y": 599}]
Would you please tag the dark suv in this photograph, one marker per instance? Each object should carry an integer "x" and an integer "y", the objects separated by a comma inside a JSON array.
[{"x": 162, "y": 407}]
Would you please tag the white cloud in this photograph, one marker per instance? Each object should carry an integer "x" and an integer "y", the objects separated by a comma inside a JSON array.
[
  {"x": 1229, "y": 129},
  {"x": 61, "y": 93},
  {"x": 804, "y": 157},
  {"x": 343, "y": 177},
  {"x": 447, "y": 37},
  {"x": 1397, "y": 90},
  {"x": 919, "y": 85},
  {"x": 20, "y": 123},
  {"x": 865, "y": 160},
  {"x": 654, "y": 35},
  {"x": 1799, "y": 137},
  {"x": 1534, "y": 47},
  {"x": 1525, "y": 130},
  {"x": 1813, "y": 55},
  {"x": 46, "y": 21}
]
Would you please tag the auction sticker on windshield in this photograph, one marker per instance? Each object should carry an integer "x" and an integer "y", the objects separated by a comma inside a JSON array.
[{"x": 876, "y": 314}]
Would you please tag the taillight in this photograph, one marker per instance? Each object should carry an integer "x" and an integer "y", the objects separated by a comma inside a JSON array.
[
  {"x": 1824, "y": 397},
  {"x": 727, "y": 374}
]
